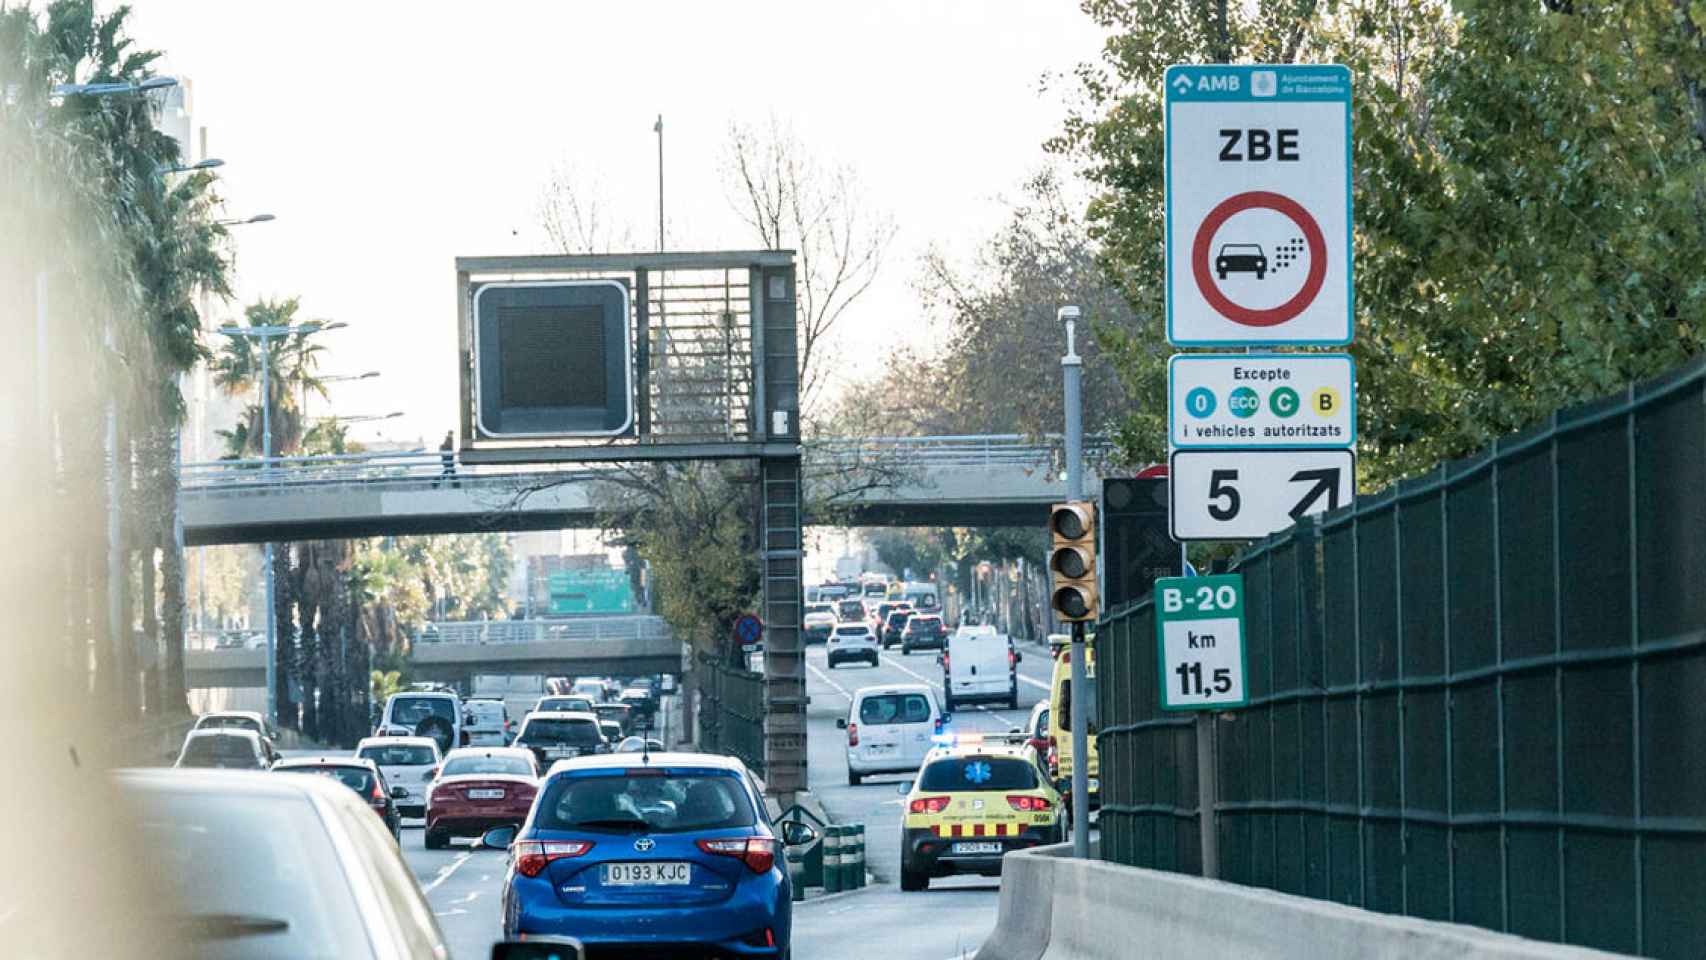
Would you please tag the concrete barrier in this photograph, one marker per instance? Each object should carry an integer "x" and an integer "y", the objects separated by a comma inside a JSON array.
[{"x": 1057, "y": 908}]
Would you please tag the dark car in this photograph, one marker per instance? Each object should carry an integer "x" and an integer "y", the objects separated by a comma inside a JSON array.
[
  {"x": 894, "y": 625},
  {"x": 622, "y": 713},
  {"x": 923, "y": 631},
  {"x": 360, "y": 775},
  {"x": 1241, "y": 258},
  {"x": 557, "y": 736},
  {"x": 225, "y": 748}
]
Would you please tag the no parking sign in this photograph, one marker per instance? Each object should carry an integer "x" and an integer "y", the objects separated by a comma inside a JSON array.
[{"x": 1258, "y": 205}]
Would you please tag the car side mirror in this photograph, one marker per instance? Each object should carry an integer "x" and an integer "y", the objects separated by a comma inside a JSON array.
[
  {"x": 537, "y": 947},
  {"x": 903, "y": 788},
  {"x": 399, "y": 793},
  {"x": 498, "y": 838},
  {"x": 797, "y": 834},
  {"x": 840, "y": 723}
]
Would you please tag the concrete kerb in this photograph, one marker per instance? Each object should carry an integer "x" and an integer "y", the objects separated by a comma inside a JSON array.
[{"x": 1054, "y": 907}]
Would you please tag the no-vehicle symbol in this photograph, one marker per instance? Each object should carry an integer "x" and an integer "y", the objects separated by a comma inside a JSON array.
[{"x": 1258, "y": 205}]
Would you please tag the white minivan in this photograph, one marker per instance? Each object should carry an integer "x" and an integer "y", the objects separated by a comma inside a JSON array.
[
  {"x": 889, "y": 729},
  {"x": 979, "y": 664}
]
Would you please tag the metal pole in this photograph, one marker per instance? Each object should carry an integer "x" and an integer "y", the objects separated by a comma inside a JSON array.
[
  {"x": 1206, "y": 791},
  {"x": 267, "y": 563},
  {"x": 1072, "y": 375},
  {"x": 658, "y": 128}
]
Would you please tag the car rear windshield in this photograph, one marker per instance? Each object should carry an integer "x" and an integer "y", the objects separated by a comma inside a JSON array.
[
  {"x": 398, "y": 755},
  {"x": 611, "y": 711},
  {"x": 667, "y": 803},
  {"x": 356, "y": 778},
  {"x": 852, "y": 631},
  {"x": 850, "y": 609},
  {"x": 572, "y": 733},
  {"x": 921, "y": 624},
  {"x": 979, "y": 773},
  {"x": 487, "y": 711},
  {"x": 895, "y": 708},
  {"x": 899, "y": 617},
  {"x": 464, "y": 766},
  {"x": 409, "y": 711},
  {"x": 564, "y": 705},
  {"x": 248, "y": 875},
  {"x": 228, "y": 723},
  {"x": 210, "y": 751}
]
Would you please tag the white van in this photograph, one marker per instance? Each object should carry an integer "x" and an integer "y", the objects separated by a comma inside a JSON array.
[
  {"x": 489, "y": 724},
  {"x": 425, "y": 714},
  {"x": 889, "y": 729},
  {"x": 979, "y": 664}
]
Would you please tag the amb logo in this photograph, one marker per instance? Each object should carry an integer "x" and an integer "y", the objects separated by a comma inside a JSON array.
[{"x": 1208, "y": 83}]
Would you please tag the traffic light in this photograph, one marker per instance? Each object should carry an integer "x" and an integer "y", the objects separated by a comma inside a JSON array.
[{"x": 1072, "y": 561}]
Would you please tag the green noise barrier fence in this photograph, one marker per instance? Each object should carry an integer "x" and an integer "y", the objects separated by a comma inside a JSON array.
[
  {"x": 1478, "y": 696},
  {"x": 731, "y": 712}
]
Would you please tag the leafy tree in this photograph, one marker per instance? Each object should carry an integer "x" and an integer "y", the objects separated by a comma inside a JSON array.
[
  {"x": 1527, "y": 187},
  {"x": 292, "y": 362}
]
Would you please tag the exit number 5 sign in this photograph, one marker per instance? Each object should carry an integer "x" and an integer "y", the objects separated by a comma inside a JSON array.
[
  {"x": 1199, "y": 636},
  {"x": 1258, "y": 205}
]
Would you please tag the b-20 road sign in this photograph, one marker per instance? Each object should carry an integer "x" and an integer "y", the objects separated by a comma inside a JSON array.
[
  {"x": 1248, "y": 494},
  {"x": 1199, "y": 640},
  {"x": 1258, "y": 204},
  {"x": 1261, "y": 400}
]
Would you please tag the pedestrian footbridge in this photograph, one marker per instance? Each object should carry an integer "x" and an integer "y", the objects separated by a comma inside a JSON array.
[
  {"x": 456, "y": 652},
  {"x": 895, "y": 481}
]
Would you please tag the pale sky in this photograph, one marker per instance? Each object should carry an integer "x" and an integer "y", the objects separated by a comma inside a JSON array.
[{"x": 390, "y": 138}]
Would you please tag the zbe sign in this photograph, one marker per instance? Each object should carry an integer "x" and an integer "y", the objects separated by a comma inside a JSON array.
[{"x": 1258, "y": 205}]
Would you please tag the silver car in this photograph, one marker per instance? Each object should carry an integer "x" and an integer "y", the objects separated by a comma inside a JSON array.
[{"x": 255, "y": 865}]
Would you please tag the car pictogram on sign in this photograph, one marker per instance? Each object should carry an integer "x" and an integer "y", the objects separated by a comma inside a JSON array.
[{"x": 1241, "y": 258}]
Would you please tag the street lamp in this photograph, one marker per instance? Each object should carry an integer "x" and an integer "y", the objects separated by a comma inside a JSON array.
[
  {"x": 191, "y": 168},
  {"x": 266, "y": 333},
  {"x": 109, "y": 89},
  {"x": 257, "y": 218}
]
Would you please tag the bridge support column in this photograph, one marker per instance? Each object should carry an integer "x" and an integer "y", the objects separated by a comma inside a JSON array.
[{"x": 784, "y": 653}]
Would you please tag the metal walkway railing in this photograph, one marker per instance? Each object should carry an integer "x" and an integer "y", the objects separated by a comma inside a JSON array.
[
  {"x": 427, "y": 468},
  {"x": 629, "y": 627}
]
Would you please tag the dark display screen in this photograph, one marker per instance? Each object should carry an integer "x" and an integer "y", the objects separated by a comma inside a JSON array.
[{"x": 551, "y": 356}]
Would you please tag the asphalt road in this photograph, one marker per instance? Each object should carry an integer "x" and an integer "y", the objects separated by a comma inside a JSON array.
[
  {"x": 947, "y": 922},
  {"x": 952, "y": 918}
]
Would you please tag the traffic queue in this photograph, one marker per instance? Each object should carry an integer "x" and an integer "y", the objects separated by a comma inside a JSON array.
[{"x": 613, "y": 841}]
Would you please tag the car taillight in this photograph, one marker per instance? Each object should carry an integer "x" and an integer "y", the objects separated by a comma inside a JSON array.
[
  {"x": 938, "y": 724},
  {"x": 852, "y": 734},
  {"x": 1038, "y": 804},
  {"x": 758, "y": 853},
  {"x": 929, "y": 804},
  {"x": 1012, "y": 659},
  {"x": 1053, "y": 758},
  {"x": 945, "y": 660},
  {"x": 531, "y": 856},
  {"x": 377, "y": 796}
]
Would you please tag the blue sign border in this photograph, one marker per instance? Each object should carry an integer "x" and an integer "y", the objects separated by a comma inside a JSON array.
[
  {"x": 1242, "y": 95},
  {"x": 1172, "y": 422}
]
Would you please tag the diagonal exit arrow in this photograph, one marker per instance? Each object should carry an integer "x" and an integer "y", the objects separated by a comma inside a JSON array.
[{"x": 1326, "y": 482}]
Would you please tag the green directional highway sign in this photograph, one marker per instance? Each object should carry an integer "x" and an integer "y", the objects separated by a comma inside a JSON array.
[{"x": 1199, "y": 640}]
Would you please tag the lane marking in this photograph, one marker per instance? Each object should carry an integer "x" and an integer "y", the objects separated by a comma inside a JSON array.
[
  {"x": 445, "y": 871},
  {"x": 825, "y": 678}
]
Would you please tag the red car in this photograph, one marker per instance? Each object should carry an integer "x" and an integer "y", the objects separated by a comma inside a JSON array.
[{"x": 479, "y": 788}]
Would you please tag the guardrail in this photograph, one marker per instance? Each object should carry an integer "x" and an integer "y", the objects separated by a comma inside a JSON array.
[
  {"x": 428, "y": 467},
  {"x": 633, "y": 627}
]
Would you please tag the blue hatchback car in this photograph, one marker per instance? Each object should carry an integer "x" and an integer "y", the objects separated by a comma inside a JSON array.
[{"x": 653, "y": 855}]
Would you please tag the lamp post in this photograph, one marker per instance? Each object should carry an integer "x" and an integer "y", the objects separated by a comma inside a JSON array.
[
  {"x": 265, "y": 334},
  {"x": 1072, "y": 375}
]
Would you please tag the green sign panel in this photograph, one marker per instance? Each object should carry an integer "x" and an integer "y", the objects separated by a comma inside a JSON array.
[{"x": 1199, "y": 640}]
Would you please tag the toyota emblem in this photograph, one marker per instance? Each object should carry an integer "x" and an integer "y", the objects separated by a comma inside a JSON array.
[{"x": 643, "y": 844}]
